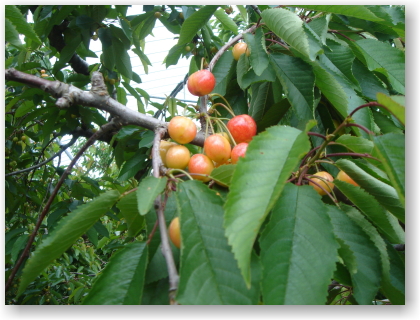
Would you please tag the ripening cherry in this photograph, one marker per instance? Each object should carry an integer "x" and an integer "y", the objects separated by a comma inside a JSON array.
[
  {"x": 342, "y": 176},
  {"x": 238, "y": 151},
  {"x": 177, "y": 157},
  {"x": 182, "y": 129},
  {"x": 239, "y": 49},
  {"x": 200, "y": 163},
  {"x": 217, "y": 148},
  {"x": 175, "y": 232},
  {"x": 201, "y": 82},
  {"x": 327, "y": 185},
  {"x": 242, "y": 128},
  {"x": 163, "y": 149}
]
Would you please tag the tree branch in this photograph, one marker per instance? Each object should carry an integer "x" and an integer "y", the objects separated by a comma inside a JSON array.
[
  {"x": 106, "y": 127},
  {"x": 159, "y": 206},
  {"x": 98, "y": 98},
  {"x": 63, "y": 148},
  {"x": 227, "y": 45}
]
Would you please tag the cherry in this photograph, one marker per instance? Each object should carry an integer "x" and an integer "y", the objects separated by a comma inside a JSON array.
[
  {"x": 238, "y": 151},
  {"x": 182, "y": 129},
  {"x": 175, "y": 232},
  {"x": 242, "y": 128},
  {"x": 239, "y": 49},
  {"x": 342, "y": 176},
  {"x": 177, "y": 157},
  {"x": 201, "y": 83},
  {"x": 217, "y": 148},
  {"x": 163, "y": 149},
  {"x": 200, "y": 163},
  {"x": 327, "y": 185}
]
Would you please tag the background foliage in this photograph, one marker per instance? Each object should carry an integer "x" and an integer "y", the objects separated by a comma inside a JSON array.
[{"x": 267, "y": 238}]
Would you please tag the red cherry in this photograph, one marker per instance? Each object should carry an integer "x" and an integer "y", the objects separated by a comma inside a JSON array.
[
  {"x": 238, "y": 151},
  {"x": 200, "y": 163},
  {"x": 217, "y": 148},
  {"x": 242, "y": 128},
  {"x": 201, "y": 83}
]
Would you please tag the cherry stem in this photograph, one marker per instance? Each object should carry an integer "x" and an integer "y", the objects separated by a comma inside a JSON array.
[
  {"x": 224, "y": 106},
  {"x": 317, "y": 135},
  {"x": 360, "y": 127},
  {"x": 309, "y": 176},
  {"x": 208, "y": 123},
  {"x": 227, "y": 131},
  {"x": 279, "y": 43},
  {"x": 370, "y": 104},
  {"x": 224, "y": 99},
  {"x": 171, "y": 171},
  {"x": 352, "y": 154}
]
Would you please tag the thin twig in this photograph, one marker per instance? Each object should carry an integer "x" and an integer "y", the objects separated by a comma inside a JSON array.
[{"x": 63, "y": 148}]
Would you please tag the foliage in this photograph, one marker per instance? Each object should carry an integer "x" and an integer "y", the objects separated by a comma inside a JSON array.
[{"x": 325, "y": 85}]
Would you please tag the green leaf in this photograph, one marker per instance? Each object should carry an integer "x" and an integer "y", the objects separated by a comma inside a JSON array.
[
  {"x": 340, "y": 59},
  {"x": 390, "y": 149},
  {"x": 174, "y": 54},
  {"x": 262, "y": 99},
  {"x": 298, "y": 249},
  {"x": 274, "y": 115},
  {"x": 258, "y": 58},
  {"x": 332, "y": 90},
  {"x": 288, "y": 26},
  {"x": 388, "y": 253},
  {"x": 256, "y": 185},
  {"x": 385, "y": 194},
  {"x": 147, "y": 191},
  {"x": 132, "y": 166},
  {"x": 366, "y": 280},
  {"x": 24, "y": 108},
  {"x": 14, "y": 15},
  {"x": 194, "y": 23},
  {"x": 356, "y": 11},
  {"x": 122, "y": 61},
  {"x": 129, "y": 209},
  {"x": 208, "y": 272},
  {"x": 383, "y": 58},
  {"x": 227, "y": 22},
  {"x": 371, "y": 208},
  {"x": 144, "y": 59},
  {"x": 68, "y": 51},
  {"x": 393, "y": 286},
  {"x": 369, "y": 83},
  {"x": 121, "y": 282},
  {"x": 298, "y": 81},
  {"x": 223, "y": 174},
  {"x": 11, "y": 34},
  {"x": 393, "y": 106},
  {"x": 68, "y": 230},
  {"x": 223, "y": 71},
  {"x": 355, "y": 144}
]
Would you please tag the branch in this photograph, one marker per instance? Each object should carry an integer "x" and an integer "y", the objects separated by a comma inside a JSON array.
[
  {"x": 109, "y": 126},
  {"x": 98, "y": 98},
  {"x": 63, "y": 148},
  {"x": 159, "y": 206}
]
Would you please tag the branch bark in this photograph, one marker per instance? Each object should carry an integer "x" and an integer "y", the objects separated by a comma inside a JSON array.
[
  {"x": 159, "y": 206},
  {"x": 98, "y": 98}
]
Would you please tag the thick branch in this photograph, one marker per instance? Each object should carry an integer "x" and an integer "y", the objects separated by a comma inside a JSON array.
[
  {"x": 68, "y": 95},
  {"x": 109, "y": 126}
]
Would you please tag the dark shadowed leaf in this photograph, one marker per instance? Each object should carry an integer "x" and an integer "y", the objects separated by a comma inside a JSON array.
[{"x": 121, "y": 282}]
